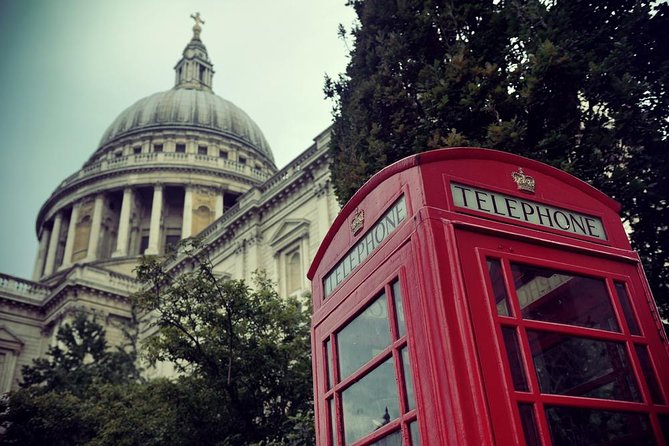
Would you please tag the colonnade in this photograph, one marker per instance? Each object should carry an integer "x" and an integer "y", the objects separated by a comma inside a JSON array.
[{"x": 49, "y": 261}]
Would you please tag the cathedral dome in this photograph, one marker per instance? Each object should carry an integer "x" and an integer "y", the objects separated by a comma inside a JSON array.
[{"x": 184, "y": 108}]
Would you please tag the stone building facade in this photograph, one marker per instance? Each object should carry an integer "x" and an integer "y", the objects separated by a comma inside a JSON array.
[{"x": 175, "y": 164}]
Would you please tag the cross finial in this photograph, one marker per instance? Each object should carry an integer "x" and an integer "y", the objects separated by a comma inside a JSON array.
[{"x": 197, "y": 28}]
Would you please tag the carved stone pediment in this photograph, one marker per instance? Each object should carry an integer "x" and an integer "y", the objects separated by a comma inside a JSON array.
[
  {"x": 9, "y": 341},
  {"x": 288, "y": 232}
]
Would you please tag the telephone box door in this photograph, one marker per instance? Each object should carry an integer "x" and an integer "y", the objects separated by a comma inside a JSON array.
[{"x": 569, "y": 349}]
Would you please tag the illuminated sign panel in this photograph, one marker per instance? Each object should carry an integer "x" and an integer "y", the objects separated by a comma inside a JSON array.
[
  {"x": 514, "y": 208},
  {"x": 361, "y": 250}
]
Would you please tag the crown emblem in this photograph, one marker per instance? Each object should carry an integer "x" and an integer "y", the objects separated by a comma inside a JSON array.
[
  {"x": 524, "y": 182},
  {"x": 358, "y": 221}
]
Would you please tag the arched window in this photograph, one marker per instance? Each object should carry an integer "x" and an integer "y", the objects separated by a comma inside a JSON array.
[{"x": 293, "y": 272}]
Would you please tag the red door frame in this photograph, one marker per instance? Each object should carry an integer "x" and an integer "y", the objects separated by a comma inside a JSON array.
[{"x": 474, "y": 248}]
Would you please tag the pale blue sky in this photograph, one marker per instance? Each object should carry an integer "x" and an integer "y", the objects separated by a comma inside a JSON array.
[{"x": 69, "y": 67}]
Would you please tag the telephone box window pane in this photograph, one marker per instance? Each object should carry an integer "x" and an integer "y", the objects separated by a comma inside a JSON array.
[
  {"x": 552, "y": 296},
  {"x": 576, "y": 366},
  {"x": 413, "y": 431},
  {"x": 370, "y": 403},
  {"x": 664, "y": 425},
  {"x": 515, "y": 360},
  {"x": 529, "y": 425},
  {"x": 364, "y": 337},
  {"x": 411, "y": 399},
  {"x": 333, "y": 422},
  {"x": 627, "y": 309},
  {"x": 573, "y": 426},
  {"x": 394, "y": 439},
  {"x": 328, "y": 364},
  {"x": 399, "y": 309},
  {"x": 498, "y": 287},
  {"x": 649, "y": 374}
]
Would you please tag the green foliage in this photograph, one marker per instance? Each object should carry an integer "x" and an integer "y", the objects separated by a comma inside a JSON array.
[
  {"x": 579, "y": 85},
  {"x": 81, "y": 357},
  {"x": 244, "y": 354},
  {"x": 245, "y": 350}
]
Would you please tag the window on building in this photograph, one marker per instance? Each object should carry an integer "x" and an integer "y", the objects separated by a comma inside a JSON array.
[
  {"x": 118, "y": 154},
  {"x": 171, "y": 240},
  {"x": 242, "y": 160},
  {"x": 180, "y": 148},
  {"x": 258, "y": 166},
  {"x": 157, "y": 148},
  {"x": 201, "y": 150},
  {"x": 293, "y": 272},
  {"x": 143, "y": 244},
  {"x": 223, "y": 154},
  {"x": 136, "y": 150}
]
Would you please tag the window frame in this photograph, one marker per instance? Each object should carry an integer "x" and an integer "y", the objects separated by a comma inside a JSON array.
[{"x": 329, "y": 350}]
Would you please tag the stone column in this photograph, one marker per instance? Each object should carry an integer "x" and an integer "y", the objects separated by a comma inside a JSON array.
[
  {"x": 156, "y": 212},
  {"x": 124, "y": 224},
  {"x": 96, "y": 224},
  {"x": 187, "y": 221},
  {"x": 219, "y": 204},
  {"x": 41, "y": 254},
  {"x": 53, "y": 244},
  {"x": 71, "y": 232}
]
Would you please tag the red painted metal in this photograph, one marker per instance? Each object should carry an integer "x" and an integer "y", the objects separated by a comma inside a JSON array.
[{"x": 463, "y": 380}]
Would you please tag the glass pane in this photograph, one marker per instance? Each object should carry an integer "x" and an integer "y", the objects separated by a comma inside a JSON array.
[
  {"x": 649, "y": 374},
  {"x": 333, "y": 422},
  {"x": 364, "y": 337},
  {"x": 627, "y": 309},
  {"x": 394, "y": 439},
  {"x": 529, "y": 425},
  {"x": 551, "y": 296},
  {"x": 498, "y": 287},
  {"x": 411, "y": 400},
  {"x": 371, "y": 402},
  {"x": 328, "y": 364},
  {"x": 399, "y": 309},
  {"x": 515, "y": 360},
  {"x": 573, "y": 426},
  {"x": 413, "y": 431},
  {"x": 664, "y": 425},
  {"x": 576, "y": 366}
]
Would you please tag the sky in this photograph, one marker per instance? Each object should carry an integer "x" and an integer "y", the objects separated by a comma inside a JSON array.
[{"x": 69, "y": 67}]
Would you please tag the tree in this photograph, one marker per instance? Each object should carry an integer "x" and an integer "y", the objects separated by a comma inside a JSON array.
[
  {"x": 579, "y": 85},
  {"x": 244, "y": 351},
  {"x": 81, "y": 357},
  {"x": 59, "y": 401}
]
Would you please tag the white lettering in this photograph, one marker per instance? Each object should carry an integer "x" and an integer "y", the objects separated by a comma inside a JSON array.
[{"x": 366, "y": 245}]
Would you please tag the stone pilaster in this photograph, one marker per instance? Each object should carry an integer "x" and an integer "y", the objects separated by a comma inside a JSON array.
[
  {"x": 96, "y": 224},
  {"x": 71, "y": 231},
  {"x": 156, "y": 214},
  {"x": 53, "y": 244},
  {"x": 187, "y": 222},
  {"x": 41, "y": 253},
  {"x": 218, "y": 211},
  {"x": 124, "y": 224}
]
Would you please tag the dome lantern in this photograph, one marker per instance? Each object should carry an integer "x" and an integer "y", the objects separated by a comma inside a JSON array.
[{"x": 194, "y": 70}]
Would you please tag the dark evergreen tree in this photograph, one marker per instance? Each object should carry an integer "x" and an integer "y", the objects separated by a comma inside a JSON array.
[{"x": 579, "y": 85}]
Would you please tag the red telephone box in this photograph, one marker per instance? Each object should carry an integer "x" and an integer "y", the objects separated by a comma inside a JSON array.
[{"x": 474, "y": 297}]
